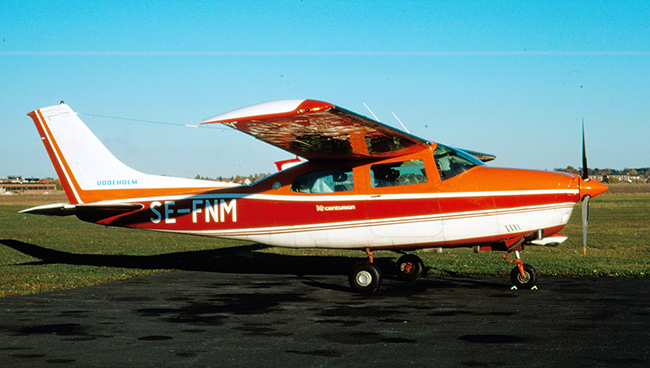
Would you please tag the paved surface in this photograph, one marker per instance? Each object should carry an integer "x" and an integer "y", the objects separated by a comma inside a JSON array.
[{"x": 202, "y": 319}]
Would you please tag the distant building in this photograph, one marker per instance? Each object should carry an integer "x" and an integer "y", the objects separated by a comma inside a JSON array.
[{"x": 16, "y": 184}]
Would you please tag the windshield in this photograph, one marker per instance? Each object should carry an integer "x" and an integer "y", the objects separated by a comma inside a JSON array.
[{"x": 451, "y": 162}]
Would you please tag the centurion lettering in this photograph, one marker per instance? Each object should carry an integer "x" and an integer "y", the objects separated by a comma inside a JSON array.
[{"x": 202, "y": 210}]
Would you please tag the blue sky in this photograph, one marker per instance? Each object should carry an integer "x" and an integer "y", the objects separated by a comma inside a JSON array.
[{"x": 511, "y": 78}]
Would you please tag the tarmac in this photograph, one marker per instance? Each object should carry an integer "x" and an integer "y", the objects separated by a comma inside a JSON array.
[{"x": 211, "y": 319}]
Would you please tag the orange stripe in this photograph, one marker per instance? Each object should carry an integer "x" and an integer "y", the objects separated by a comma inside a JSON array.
[
  {"x": 50, "y": 147},
  {"x": 65, "y": 167}
]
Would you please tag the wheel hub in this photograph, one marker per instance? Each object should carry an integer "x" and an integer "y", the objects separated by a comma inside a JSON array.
[
  {"x": 407, "y": 267},
  {"x": 524, "y": 278},
  {"x": 364, "y": 278}
]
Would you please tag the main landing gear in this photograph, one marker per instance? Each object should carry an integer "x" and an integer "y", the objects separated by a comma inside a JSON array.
[{"x": 366, "y": 277}]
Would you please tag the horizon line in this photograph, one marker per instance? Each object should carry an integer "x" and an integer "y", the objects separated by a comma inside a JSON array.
[{"x": 325, "y": 53}]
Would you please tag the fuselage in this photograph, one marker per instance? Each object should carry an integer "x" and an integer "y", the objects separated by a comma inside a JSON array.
[{"x": 433, "y": 198}]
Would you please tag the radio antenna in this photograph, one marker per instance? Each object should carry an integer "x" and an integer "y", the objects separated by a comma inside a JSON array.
[
  {"x": 373, "y": 114},
  {"x": 403, "y": 126}
]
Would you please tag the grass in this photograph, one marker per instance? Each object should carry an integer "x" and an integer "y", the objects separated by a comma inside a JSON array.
[{"x": 41, "y": 253}]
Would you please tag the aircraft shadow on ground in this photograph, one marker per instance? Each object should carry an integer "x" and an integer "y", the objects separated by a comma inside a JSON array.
[
  {"x": 240, "y": 259},
  {"x": 244, "y": 259}
]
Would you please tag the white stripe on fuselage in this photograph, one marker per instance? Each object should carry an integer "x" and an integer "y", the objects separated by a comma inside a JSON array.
[{"x": 342, "y": 198}]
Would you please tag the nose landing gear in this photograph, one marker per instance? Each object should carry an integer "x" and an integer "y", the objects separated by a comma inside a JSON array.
[{"x": 523, "y": 275}]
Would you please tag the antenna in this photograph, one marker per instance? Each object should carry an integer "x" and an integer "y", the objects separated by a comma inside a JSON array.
[
  {"x": 373, "y": 114},
  {"x": 403, "y": 126}
]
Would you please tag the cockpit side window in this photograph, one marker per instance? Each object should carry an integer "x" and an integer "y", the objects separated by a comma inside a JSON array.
[
  {"x": 324, "y": 181},
  {"x": 398, "y": 173},
  {"x": 451, "y": 162}
]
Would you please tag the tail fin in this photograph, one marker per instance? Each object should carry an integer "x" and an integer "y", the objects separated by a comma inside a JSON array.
[{"x": 87, "y": 169}]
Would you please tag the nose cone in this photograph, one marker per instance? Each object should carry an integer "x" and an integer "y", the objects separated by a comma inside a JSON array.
[{"x": 591, "y": 188}]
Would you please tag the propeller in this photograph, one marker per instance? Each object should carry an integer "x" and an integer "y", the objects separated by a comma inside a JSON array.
[
  {"x": 585, "y": 199},
  {"x": 588, "y": 189}
]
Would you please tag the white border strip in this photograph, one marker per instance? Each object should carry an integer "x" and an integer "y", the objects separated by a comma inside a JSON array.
[{"x": 345, "y": 198}]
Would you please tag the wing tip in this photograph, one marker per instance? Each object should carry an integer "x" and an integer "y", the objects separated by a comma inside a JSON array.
[{"x": 277, "y": 108}]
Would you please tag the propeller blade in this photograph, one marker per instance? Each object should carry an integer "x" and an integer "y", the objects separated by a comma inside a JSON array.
[
  {"x": 585, "y": 199},
  {"x": 585, "y": 222},
  {"x": 585, "y": 168}
]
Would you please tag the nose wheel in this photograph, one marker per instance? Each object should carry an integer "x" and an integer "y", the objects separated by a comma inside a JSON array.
[{"x": 527, "y": 279}]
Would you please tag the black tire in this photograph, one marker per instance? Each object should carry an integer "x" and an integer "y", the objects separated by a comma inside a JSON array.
[
  {"x": 409, "y": 267},
  {"x": 365, "y": 278},
  {"x": 527, "y": 280}
]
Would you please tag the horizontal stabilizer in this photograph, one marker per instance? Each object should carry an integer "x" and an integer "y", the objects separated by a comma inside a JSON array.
[
  {"x": 55, "y": 209},
  {"x": 84, "y": 210}
]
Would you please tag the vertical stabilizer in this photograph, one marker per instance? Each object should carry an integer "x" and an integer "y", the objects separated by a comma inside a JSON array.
[{"x": 88, "y": 170}]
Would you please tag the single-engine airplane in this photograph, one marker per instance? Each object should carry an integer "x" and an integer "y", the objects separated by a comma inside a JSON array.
[{"x": 364, "y": 186}]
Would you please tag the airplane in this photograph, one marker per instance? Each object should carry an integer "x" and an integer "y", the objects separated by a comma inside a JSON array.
[{"x": 363, "y": 185}]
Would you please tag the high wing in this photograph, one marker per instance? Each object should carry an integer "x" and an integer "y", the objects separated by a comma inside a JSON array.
[{"x": 319, "y": 130}]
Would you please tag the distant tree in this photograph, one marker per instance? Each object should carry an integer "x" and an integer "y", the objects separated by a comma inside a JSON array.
[
  {"x": 607, "y": 172},
  {"x": 59, "y": 186},
  {"x": 633, "y": 172},
  {"x": 571, "y": 170}
]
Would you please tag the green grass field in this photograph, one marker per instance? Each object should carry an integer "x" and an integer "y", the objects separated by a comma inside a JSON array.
[{"x": 41, "y": 253}]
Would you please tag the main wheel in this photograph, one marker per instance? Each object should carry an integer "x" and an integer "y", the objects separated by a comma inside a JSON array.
[
  {"x": 409, "y": 267},
  {"x": 365, "y": 278},
  {"x": 527, "y": 280}
]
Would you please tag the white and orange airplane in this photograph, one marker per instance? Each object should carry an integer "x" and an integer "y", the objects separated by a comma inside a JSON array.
[{"x": 365, "y": 186}]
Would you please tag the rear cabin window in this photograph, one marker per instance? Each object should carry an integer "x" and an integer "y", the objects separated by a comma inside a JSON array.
[
  {"x": 398, "y": 173},
  {"x": 324, "y": 181}
]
